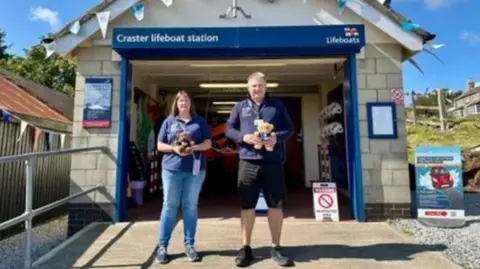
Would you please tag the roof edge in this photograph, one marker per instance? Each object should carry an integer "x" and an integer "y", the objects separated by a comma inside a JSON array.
[{"x": 119, "y": 8}]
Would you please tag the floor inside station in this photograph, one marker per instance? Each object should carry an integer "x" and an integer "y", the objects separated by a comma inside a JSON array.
[{"x": 299, "y": 205}]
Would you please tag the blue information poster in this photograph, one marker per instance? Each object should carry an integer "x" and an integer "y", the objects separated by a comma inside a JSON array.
[
  {"x": 439, "y": 181},
  {"x": 97, "y": 108}
]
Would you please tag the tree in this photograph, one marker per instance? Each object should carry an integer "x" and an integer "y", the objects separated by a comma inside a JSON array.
[
  {"x": 54, "y": 72},
  {"x": 3, "y": 46}
]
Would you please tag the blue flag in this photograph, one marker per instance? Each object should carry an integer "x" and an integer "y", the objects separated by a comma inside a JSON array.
[
  {"x": 5, "y": 116},
  {"x": 138, "y": 10},
  {"x": 408, "y": 26},
  {"x": 341, "y": 4}
]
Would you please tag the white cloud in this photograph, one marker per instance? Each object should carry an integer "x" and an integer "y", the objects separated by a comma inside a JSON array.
[
  {"x": 432, "y": 4},
  {"x": 436, "y": 4},
  {"x": 47, "y": 15},
  {"x": 471, "y": 38}
]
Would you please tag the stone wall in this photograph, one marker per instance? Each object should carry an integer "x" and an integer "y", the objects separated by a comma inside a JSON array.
[
  {"x": 385, "y": 165},
  {"x": 90, "y": 169}
]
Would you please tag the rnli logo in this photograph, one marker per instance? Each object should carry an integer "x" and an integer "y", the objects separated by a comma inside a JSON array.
[{"x": 351, "y": 32}]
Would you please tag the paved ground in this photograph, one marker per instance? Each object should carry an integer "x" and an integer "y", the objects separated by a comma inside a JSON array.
[{"x": 313, "y": 246}]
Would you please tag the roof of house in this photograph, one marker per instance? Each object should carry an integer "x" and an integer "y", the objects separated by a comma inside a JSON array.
[
  {"x": 19, "y": 95},
  {"x": 389, "y": 12},
  {"x": 468, "y": 93}
]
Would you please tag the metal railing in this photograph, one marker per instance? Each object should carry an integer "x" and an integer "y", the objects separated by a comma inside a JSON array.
[{"x": 27, "y": 217}]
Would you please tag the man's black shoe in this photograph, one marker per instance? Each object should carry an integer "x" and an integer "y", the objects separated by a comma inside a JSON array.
[
  {"x": 280, "y": 258},
  {"x": 244, "y": 257}
]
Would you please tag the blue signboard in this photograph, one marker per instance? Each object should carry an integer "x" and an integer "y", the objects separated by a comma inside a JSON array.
[
  {"x": 329, "y": 38},
  {"x": 439, "y": 181},
  {"x": 97, "y": 107}
]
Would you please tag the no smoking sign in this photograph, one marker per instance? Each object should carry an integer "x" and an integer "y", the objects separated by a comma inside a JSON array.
[{"x": 325, "y": 201}]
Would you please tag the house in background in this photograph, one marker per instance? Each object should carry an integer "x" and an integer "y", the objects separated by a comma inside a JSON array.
[
  {"x": 36, "y": 104},
  {"x": 33, "y": 118},
  {"x": 468, "y": 103}
]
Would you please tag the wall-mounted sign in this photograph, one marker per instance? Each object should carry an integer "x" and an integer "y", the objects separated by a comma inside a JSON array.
[
  {"x": 382, "y": 120},
  {"x": 439, "y": 186},
  {"x": 338, "y": 39},
  {"x": 97, "y": 107}
]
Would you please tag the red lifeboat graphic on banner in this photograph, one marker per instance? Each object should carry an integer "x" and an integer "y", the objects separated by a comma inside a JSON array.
[{"x": 441, "y": 179}]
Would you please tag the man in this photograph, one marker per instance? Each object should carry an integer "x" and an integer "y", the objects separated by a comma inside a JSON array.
[{"x": 260, "y": 170}]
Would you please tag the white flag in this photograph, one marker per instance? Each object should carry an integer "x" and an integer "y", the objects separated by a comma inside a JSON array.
[
  {"x": 103, "y": 18},
  {"x": 433, "y": 46},
  {"x": 138, "y": 10},
  {"x": 75, "y": 28},
  {"x": 23, "y": 127},
  {"x": 62, "y": 140},
  {"x": 168, "y": 3},
  {"x": 50, "y": 46}
]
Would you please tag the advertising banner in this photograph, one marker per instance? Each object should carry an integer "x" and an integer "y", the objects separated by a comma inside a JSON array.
[
  {"x": 97, "y": 108},
  {"x": 439, "y": 186}
]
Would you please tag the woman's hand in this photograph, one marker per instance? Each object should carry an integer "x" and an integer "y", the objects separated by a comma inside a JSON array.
[{"x": 177, "y": 150}]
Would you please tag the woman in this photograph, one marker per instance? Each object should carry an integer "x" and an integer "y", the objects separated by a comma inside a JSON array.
[{"x": 182, "y": 174}]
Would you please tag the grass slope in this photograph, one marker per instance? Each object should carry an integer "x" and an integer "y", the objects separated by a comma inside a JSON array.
[{"x": 463, "y": 134}]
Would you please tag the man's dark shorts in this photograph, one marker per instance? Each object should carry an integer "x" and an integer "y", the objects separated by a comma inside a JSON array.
[{"x": 256, "y": 175}]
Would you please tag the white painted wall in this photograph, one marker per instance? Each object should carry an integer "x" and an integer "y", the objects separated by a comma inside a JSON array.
[{"x": 311, "y": 138}]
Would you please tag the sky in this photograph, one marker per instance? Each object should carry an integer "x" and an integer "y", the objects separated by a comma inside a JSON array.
[{"x": 455, "y": 22}]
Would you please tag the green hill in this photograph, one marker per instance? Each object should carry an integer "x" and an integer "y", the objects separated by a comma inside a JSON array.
[{"x": 462, "y": 133}]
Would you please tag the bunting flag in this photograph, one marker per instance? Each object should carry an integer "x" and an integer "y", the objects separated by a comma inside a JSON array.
[
  {"x": 50, "y": 46},
  {"x": 168, "y": 3},
  {"x": 75, "y": 28},
  {"x": 412, "y": 61},
  {"x": 62, "y": 140},
  {"x": 138, "y": 10},
  {"x": 409, "y": 26},
  {"x": 434, "y": 46},
  {"x": 103, "y": 18},
  {"x": 36, "y": 137},
  {"x": 6, "y": 116},
  {"x": 48, "y": 141},
  {"x": 23, "y": 127},
  {"x": 433, "y": 54},
  {"x": 341, "y": 4}
]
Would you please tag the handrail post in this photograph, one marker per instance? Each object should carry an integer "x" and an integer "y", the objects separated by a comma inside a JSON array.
[{"x": 29, "y": 164}]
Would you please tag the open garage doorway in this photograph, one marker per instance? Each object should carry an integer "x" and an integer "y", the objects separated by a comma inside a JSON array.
[
  {"x": 300, "y": 83},
  {"x": 298, "y": 61}
]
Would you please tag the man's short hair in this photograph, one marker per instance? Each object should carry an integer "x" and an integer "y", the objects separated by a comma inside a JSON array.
[{"x": 257, "y": 75}]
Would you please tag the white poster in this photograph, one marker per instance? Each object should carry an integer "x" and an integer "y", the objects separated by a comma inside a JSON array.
[
  {"x": 103, "y": 18},
  {"x": 382, "y": 120}
]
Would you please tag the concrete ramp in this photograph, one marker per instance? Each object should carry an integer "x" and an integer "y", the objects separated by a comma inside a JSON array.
[{"x": 313, "y": 245}]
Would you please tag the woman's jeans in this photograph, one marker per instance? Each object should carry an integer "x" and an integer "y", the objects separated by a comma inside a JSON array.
[{"x": 180, "y": 188}]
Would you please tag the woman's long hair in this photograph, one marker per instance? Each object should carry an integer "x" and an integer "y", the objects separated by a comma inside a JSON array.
[{"x": 174, "y": 110}]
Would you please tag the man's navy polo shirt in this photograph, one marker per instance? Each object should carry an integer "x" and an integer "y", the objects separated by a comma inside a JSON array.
[{"x": 241, "y": 122}]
